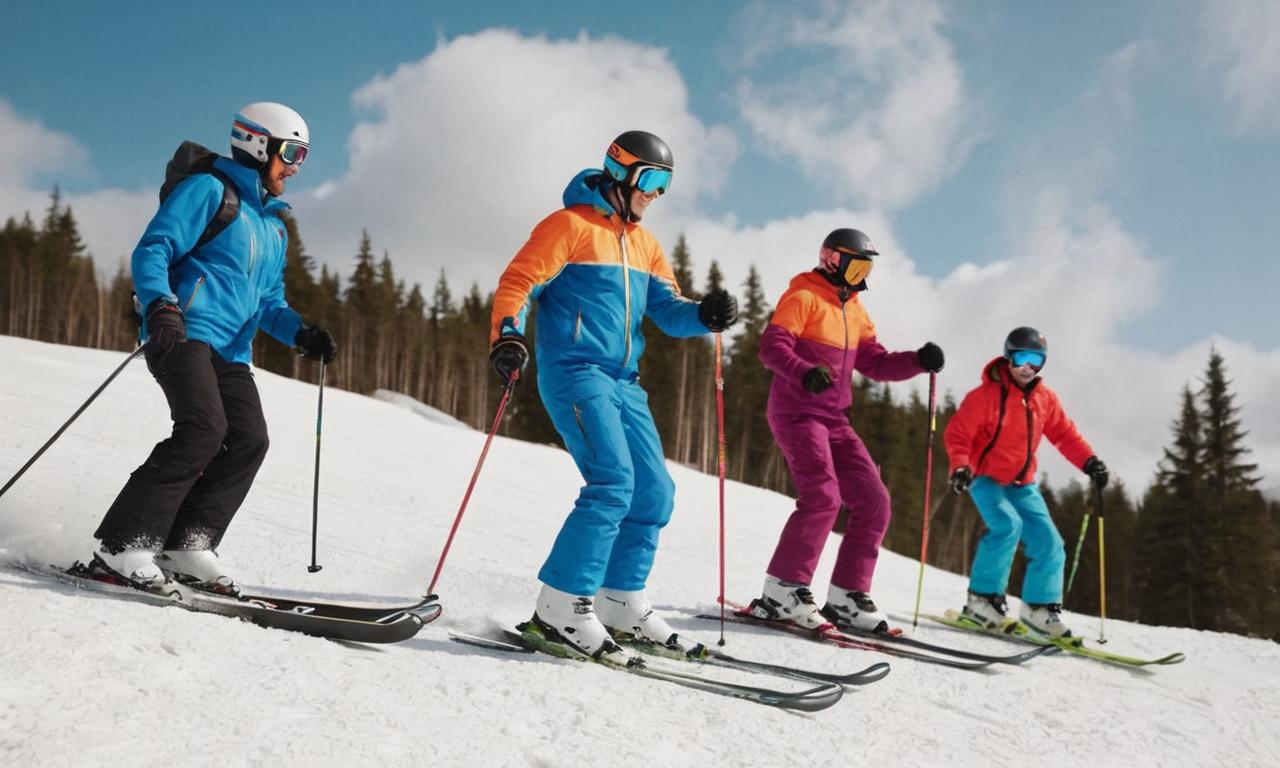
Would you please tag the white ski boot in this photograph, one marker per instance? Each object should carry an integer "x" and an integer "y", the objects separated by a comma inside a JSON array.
[
  {"x": 788, "y": 601},
  {"x": 199, "y": 568},
  {"x": 628, "y": 615},
  {"x": 134, "y": 564},
  {"x": 1044, "y": 619},
  {"x": 571, "y": 620},
  {"x": 851, "y": 609},
  {"x": 991, "y": 611}
]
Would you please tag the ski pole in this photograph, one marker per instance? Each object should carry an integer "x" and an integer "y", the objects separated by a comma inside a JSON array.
[
  {"x": 721, "y": 451},
  {"x": 1102, "y": 571},
  {"x": 74, "y": 416},
  {"x": 497, "y": 422},
  {"x": 315, "y": 487},
  {"x": 928, "y": 488},
  {"x": 1075, "y": 560}
]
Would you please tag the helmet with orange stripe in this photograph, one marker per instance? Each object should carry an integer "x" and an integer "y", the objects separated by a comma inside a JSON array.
[{"x": 638, "y": 160}]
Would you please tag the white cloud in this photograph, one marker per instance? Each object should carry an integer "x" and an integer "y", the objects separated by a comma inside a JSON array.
[
  {"x": 468, "y": 148},
  {"x": 879, "y": 115},
  {"x": 1242, "y": 46},
  {"x": 110, "y": 220}
]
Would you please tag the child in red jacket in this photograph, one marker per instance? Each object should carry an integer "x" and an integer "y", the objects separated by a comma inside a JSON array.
[{"x": 991, "y": 443}]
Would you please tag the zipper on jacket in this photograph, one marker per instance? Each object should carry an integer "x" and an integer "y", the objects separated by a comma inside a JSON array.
[
  {"x": 844, "y": 359},
  {"x": 626, "y": 293},
  {"x": 1026, "y": 403},
  {"x": 194, "y": 291},
  {"x": 577, "y": 328},
  {"x": 577, "y": 416},
  {"x": 253, "y": 248}
]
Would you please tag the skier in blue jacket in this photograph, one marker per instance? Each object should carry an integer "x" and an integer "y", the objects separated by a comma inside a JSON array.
[{"x": 204, "y": 303}]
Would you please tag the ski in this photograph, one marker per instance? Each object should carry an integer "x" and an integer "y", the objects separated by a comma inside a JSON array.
[
  {"x": 385, "y": 628},
  {"x": 833, "y": 636},
  {"x": 427, "y": 609},
  {"x": 814, "y": 699},
  {"x": 1016, "y": 631},
  {"x": 896, "y": 638},
  {"x": 701, "y": 654}
]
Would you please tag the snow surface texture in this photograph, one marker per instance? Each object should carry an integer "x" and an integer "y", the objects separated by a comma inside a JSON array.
[{"x": 91, "y": 680}]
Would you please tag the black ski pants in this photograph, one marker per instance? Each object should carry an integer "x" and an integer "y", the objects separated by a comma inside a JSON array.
[{"x": 190, "y": 487}]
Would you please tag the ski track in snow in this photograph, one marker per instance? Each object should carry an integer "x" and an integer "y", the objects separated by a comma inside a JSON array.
[{"x": 91, "y": 680}]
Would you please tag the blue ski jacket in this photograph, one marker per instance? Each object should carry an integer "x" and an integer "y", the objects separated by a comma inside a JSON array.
[
  {"x": 595, "y": 279},
  {"x": 232, "y": 285}
]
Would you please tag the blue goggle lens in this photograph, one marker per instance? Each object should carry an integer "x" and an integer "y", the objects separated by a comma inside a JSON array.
[
  {"x": 1023, "y": 356},
  {"x": 654, "y": 180},
  {"x": 648, "y": 180}
]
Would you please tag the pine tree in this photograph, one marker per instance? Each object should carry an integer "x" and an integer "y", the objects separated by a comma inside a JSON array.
[
  {"x": 1242, "y": 564},
  {"x": 1171, "y": 552}
]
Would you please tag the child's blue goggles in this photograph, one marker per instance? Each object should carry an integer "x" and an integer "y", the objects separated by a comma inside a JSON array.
[
  {"x": 646, "y": 178},
  {"x": 1023, "y": 356}
]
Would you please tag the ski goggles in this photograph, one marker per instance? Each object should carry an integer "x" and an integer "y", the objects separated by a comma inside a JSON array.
[
  {"x": 646, "y": 178},
  {"x": 856, "y": 267},
  {"x": 292, "y": 152},
  {"x": 1021, "y": 357}
]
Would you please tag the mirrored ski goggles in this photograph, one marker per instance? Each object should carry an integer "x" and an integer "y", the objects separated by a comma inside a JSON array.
[
  {"x": 857, "y": 270},
  {"x": 1023, "y": 357},
  {"x": 647, "y": 178},
  {"x": 292, "y": 152}
]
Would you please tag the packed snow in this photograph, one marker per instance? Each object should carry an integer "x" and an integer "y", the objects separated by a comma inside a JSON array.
[{"x": 94, "y": 680}]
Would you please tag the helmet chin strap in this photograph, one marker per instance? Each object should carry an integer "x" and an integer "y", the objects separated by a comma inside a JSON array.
[{"x": 623, "y": 195}]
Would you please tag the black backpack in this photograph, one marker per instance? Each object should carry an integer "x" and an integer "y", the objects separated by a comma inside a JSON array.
[{"x": 189, "y": 159}]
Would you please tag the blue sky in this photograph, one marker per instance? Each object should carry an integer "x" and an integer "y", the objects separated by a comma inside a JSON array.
[{"x": 1105, "y": 170}]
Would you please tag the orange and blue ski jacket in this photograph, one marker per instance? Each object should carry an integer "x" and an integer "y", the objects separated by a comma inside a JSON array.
[
  {"x": 818, "y": 324},
  {"x": 595, "y": 279},
  {"x": 997, "y": 429}
]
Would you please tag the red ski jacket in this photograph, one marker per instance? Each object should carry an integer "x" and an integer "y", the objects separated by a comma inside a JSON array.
[{"x": 997, "y": 429}]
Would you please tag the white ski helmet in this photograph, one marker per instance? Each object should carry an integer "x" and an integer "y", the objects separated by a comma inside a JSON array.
[{"x": 264, "y": 128}]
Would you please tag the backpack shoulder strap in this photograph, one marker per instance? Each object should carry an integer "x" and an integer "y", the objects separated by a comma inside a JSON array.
[{"x": 227, "y": 212}]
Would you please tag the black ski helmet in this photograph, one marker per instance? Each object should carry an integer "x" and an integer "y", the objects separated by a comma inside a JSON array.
[
  {"x": 1025, "y": 338},
  {"x": 850, "y": 264},
  {"x": 632, "y": 152},
  {"x": 638, "y": 160},
  {"x": 850, "y": 241}
]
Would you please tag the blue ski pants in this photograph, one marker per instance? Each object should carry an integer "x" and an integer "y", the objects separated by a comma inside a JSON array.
[
  {"x": 1013, "y": 513},
  {"x": 611, "y": 536}
]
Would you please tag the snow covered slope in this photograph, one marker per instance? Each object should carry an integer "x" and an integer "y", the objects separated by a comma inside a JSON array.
[{"x": 88, "y": 680}]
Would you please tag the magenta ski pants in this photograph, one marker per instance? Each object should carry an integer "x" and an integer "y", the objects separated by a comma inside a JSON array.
[{"x": 830, "y": 466}]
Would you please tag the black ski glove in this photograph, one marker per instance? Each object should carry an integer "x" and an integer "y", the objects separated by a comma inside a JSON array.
[
  {"x": 930, "y": 357},
  {"x": 509, "y": 355},
  {"x": 1097, "y": 472},
  {"x": 165, "y": 331},
  {"x": 960, "y": 479},
  {"x": 316, "y": 343},
  {"x": 718, "y": 310},
  {"x": 818, "y": 380}
]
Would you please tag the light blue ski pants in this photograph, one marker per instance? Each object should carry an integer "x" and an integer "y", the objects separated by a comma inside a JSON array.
[
  {"x": 1013, "y": 512},
  {"x": 611, "y": 536}
]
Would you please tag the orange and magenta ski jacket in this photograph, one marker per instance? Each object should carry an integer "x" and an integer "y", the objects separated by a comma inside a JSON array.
[
  {"x": 595, "y": 279},
  {"x": 997, "y": 429},
  {"x": 818, "y": 324}
]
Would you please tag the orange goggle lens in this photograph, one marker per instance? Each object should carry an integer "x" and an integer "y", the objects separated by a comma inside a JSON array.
[{"x": 857, "y": 270}]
